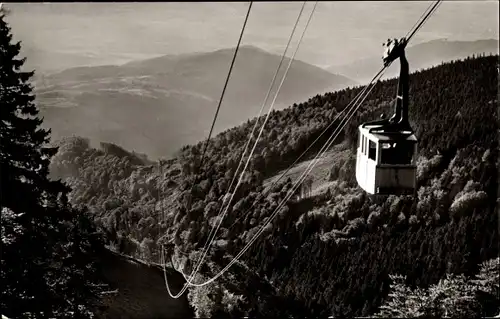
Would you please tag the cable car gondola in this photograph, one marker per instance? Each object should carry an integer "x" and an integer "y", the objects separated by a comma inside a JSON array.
[{"x": 386, "y": 154}]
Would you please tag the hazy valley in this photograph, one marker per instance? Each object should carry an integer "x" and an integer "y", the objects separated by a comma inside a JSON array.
[{"x": 156, "y": 106}]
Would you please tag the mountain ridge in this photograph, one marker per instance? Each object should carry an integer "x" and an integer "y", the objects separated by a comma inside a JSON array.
[
  {"x": 420, "y": 56},
  {"x": 147, "y": 105},
  {"x": 131, "y": 66}
]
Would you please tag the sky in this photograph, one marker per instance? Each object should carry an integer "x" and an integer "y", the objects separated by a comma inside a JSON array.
[{"x": 62, "y": 35}]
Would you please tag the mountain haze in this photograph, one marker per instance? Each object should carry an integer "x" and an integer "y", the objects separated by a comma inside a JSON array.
[
  {"x": 422, "y": 55},
  {"x": 157, "y": 105}
]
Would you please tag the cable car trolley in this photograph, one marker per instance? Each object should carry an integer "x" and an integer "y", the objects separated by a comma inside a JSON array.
[{"x": 386, "y": 154}]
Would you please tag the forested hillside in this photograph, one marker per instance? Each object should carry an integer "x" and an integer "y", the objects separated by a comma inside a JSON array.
[{"x": 332, "y": 253}]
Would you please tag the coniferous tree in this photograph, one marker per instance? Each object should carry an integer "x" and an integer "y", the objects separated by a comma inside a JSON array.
[{"x": 47, "y": 246}]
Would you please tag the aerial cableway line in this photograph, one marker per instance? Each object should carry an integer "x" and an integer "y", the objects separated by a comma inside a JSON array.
[
  {"x": 387, "y": 148},
  {"x": 251, "y": 135},
  {"x": 223, "y": 91},
  {"x": 353, "y": 107},
  {"x": 226, "y": 204},
  {"x": 216, "y": 112},
  {"x": 418, "y": 24}
]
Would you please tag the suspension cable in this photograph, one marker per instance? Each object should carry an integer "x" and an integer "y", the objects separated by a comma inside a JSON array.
[
  {"x": 424, "y": 20},
  {"x": 413, "y": 30},
  {"x": 436, "y": 5},
  {"x": 253, "y": 149},
  {"x": 298, "y": 182},
  {"x": 218, "y": 106},
  {"x": 222, "y": 97},
  {"x": 251, "y": 135},
  {"x": 269, "y": 188},
  {"x": 262, "y": 128},
  {"x": 311, "y": 165},
  {"x": 290, "y": 193},
  {"x": 319, "y": 154},
  {"x": 223, "y": 93},
  {"x": 419, "y": 19}
]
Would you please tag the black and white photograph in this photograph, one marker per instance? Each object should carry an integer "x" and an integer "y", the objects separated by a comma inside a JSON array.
[{"x": 267, "y": 159}]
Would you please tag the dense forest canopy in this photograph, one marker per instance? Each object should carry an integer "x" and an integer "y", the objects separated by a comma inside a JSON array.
[{"x": 330, "y": 253}]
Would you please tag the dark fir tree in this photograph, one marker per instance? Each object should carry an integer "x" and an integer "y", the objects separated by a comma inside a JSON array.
[{"x": 46, "y": 265}]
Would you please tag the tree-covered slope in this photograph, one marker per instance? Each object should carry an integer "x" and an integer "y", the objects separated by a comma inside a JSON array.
[{"x": 331, "y": 253}]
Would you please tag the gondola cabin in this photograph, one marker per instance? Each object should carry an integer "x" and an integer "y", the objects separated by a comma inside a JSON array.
[
  {"x": 387, "y": 148},
  {"x": 386, "y": 163}
]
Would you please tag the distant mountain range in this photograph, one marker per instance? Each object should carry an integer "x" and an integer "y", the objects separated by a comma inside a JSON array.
[
  {"x": 157, "y": 105},
  {"x": 423, "y": 55},
  {"x": 50, "y": 61}
]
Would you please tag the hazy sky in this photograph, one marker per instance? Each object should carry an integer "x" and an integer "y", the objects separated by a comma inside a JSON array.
[{"x": 59, "y": 35}]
